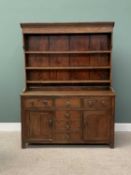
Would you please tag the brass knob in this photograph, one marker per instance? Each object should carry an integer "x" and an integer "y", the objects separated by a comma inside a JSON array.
[
  {"x": 50, "y": 140},
  {"x": 50, "y": 122},
  {"x": 103, "y": 102},
  {"x": 67, "y": 126}
]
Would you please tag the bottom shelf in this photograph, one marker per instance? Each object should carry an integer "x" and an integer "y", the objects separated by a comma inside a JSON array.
[
  {"x": 68, "y": 82},
  {"x": 68, "y": 85}
]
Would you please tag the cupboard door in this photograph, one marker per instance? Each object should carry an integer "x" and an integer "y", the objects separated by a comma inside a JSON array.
[
  {"x": 96, "y": 125},
  {"x": 40, "y": 125}
]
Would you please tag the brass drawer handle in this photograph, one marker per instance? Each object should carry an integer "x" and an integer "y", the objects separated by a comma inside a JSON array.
[
  {"x": 67, "y": 114},
  {"x": 68, "y": 103}
]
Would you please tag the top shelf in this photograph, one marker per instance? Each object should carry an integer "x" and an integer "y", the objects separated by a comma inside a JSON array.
[{"x": 69, "y": 52}]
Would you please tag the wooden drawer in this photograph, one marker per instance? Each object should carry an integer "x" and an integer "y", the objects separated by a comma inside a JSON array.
[
  {"x": 68, "y": 120},
  {"x": 65, "y": 115},
  {"x": 97, "y": 103},
  {"x": 67, "y": 102},
  {"x": 67, "y": 125},
  {"x": 67, "y": 137},
  {"x": 38, "y": 103}
]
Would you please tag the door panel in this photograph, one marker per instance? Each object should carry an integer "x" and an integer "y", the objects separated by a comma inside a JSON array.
[
  {"x": 41, "y": 125},
  {"x": 96, "y": 125}
]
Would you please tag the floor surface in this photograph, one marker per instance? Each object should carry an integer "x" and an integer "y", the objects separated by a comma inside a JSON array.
[{"x": 64, "y": 160}]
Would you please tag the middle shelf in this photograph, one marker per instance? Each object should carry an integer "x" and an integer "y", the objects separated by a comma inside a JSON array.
[
  {"x": 68, "y": 68},
  {"x": 69, "y": 52}
]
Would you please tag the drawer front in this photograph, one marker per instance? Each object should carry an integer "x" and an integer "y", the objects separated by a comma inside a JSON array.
[
  {"x": 38, "y": 103},
  {"x": 97, "y": 103},
  {"x": 67, "y": 115},
  {"x": 67, "y": 137},
  {"x": 67, "y": 125},
  {"x": 67, "y": 102},
  {"x": 68, "y": 120}
]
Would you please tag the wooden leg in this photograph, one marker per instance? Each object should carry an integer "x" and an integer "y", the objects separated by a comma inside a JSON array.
[
  {"x": 112, "y": 145},
  {"x": 24, "y": 145}
]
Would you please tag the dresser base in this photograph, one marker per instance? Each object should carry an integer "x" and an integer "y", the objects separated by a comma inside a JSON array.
[{"x": 73, "y": 117}]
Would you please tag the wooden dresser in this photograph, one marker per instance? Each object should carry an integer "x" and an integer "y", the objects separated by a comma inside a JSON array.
[{"x": 68, "y": 98}]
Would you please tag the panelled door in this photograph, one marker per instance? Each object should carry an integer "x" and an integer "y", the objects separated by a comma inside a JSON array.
[
  {"x": 40, "y": 125},
  {"x": 96, "y": 125}
]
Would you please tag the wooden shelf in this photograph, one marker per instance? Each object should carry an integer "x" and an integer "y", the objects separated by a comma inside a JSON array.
[
  {"x": 69, "y": 52},
  {"x": 68, "y": 81},
  {"x": 68, "y": 68}
]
